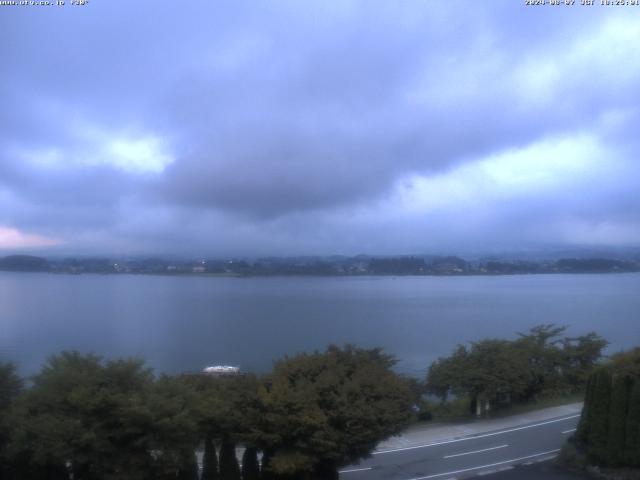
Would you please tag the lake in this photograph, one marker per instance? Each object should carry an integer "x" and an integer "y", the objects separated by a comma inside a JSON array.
[{"x": 182, "y": 323}]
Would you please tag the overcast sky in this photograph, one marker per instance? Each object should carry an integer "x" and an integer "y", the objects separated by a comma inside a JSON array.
[{"x": 330, "y": 127}]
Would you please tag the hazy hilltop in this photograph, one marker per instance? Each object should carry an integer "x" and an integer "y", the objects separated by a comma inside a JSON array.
[{"x": 23, "y": 263}]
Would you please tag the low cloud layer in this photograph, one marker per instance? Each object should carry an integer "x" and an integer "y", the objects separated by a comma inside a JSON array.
[{"x": 340, "y": 127}]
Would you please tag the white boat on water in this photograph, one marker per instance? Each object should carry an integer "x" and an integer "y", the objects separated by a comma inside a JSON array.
[{"x": 221, "y": 370}]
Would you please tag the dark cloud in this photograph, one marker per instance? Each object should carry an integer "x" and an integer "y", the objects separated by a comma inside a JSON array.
[{"x": 206, "y": 125}]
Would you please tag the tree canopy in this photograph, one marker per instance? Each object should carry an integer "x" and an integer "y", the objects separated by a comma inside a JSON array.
[
  {"x": 322, "y": 410},
  {"x": 94, "y": 419},
  {"x": 537, "y": 363}
]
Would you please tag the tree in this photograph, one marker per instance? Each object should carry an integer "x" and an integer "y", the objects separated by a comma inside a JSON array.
[
  {"x": 322, "y": 410},
  {"x": 250, "y": 467},
  {"x": 88, "y": 413},
  {"x": 617, "y": 419},
  {"x": 493, "y": 371},
  {"x": 266, "y": 472},
  {"x": 538, "y": 363},
  {"x": 188, "y": 469},
  {"x": 599, "y": 427},
  {"x": 229, "y": 468},
  {"x": 10, "y": 388},
  {"x": 209, "y": 460},
  {"x": 586, "y": 417},
  {"x": 627, "y": 363},
  {"x": 609, "y": 428},
  {"x": 226, "y": 410},
  {"x": 445, "y": 374},
  {"x": 632, "y": 433},
  {"x": 174, "y": 432},
  {"x": 544, "y": 357},
  {"x": 579, "y": 357}
]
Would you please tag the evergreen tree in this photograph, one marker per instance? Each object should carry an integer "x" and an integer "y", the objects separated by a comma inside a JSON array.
[
  {"x": 189, "y": 467},
  {"x": 265, "y": 468},
  {"x": 229, "y": 468},
  {"x": 586, "y": 418},
  {"x": 618, "y": 419},
  {"x": 10, "y": 388},
  {"x": 210, "y": 460},
  {"x": 632, "y": 436},
  {"x": 598, "y": 437},
  {"x": 610, "y": 424},
  {"x": 250, "y": 468}
]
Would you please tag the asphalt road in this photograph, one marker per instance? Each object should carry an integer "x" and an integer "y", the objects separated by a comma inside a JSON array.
[
  {"x": 466, "y": 457},
  {"x": 538, "y": 471}
]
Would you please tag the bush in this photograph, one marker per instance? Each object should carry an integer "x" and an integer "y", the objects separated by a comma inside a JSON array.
[
  {"x": 610, "y": 423},
  {"x": 572, "y": 457}
]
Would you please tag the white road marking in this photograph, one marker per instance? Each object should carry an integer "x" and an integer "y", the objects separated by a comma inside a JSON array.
[
  {"x": 475, "y": 451},
  {"x": 495, "y": 470},
  {"x": 470, "y": 469},
  {"x": 570, "y": 430},
  {"x": 355, "y": 470},
  {"x": 391, "y": 450}
]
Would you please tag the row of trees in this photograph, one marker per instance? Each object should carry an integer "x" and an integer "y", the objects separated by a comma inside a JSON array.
[
  {"x": 499, "y": 372},
  {"x": 609, "y": 429},
  {"x": 92, "y": 419},
  {"x": 89, "y": 419}
]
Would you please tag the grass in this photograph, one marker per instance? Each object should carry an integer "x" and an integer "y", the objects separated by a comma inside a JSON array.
[
  {"x": 539, "y": 405},
  {"x": 458, "y": 409}
]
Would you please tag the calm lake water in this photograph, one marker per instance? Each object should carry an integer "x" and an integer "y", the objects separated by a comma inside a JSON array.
[{"x": 184, "y": 323}]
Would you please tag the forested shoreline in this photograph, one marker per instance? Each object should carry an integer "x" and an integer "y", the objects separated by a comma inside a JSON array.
[{"x": 425, "y": 265}]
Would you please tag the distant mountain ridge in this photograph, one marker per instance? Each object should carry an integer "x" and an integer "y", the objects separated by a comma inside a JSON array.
[{"x": 24, "y": 263}]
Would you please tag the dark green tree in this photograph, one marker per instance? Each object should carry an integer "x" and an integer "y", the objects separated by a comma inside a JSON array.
[
  {"x": 174, "y": 431},
  {"x": 210, "y": 460},
  {"x": 618, "y": 418},
  {"x": 632, "y": 434},
  {"x": 227, "y": 406},
  {"x": 627, "y": 363},
  {"x": 250, "y": 467},
  {"x": 609, "y": 429},
  {"x": 229, "y": 468},
  {"x": 88, "y": 413},
  {"x": 107, "y": 420},
  {"x": 493, "y": 371},
  {"x": 55, "y": 415},
  {"x": 598, "y": 435},
  {"x": 586, "y": 418},
  {"x": 540, "y": 346},
  {"x": 266, "y": 472},
  {"x": 188, "y": 469},
  {"x": 446, "y": 374},
  {"x": 11, "y": 386},
  {"x": 323, "y": 410},
  {"x": 500, "y": 372},
  {"x": 579, "y": 357}
]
